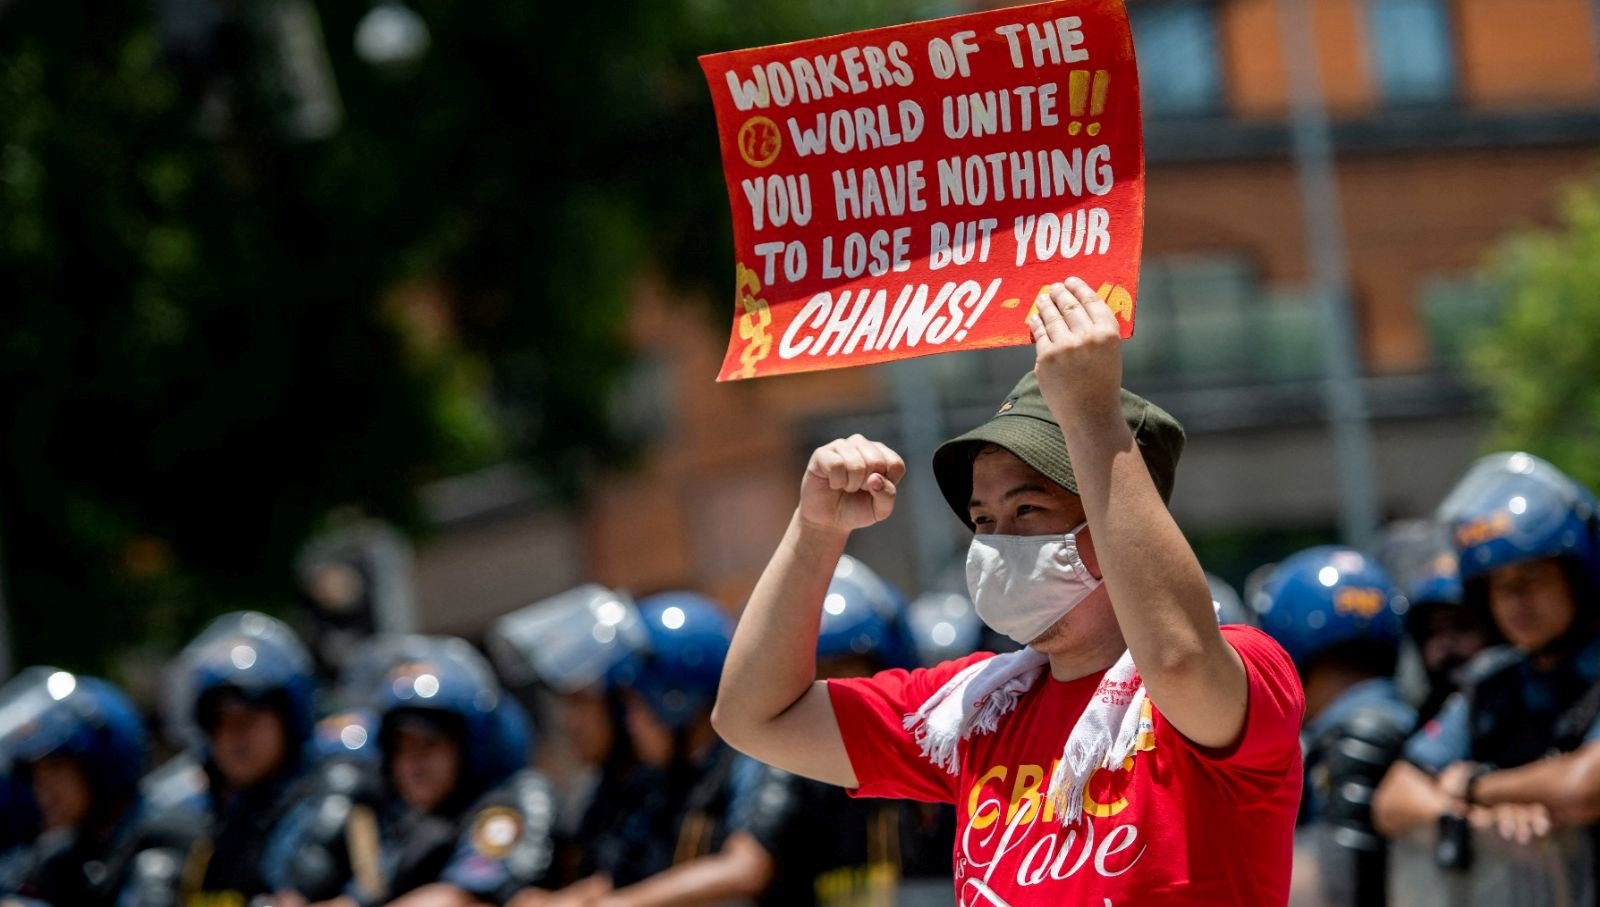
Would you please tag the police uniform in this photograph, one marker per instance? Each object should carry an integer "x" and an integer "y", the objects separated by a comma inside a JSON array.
[
  {"x": 57, "y": 714},
  {"x": 675, "y": 812},
  {"x": 1349, "y": 747},
  {"x": 943, "y": 626},
  {"x": 227, "y": 832},
  {"x": 829, "y": 849},
  {"x": 224, "y": 865},
  {"x": 61, "y": 868},
  {"x": 507, "y": 841},
  {"x": 18, "y": 820},
  {"x": 1511, "y": 509},
  {"x": 626, "y": 830},
  {"x": 1360, "y": 733},
  {"x": 1511, "y": 713},
  {"x": 1334, "y": 608},
  {"x": 358, "y": 838},
  {"x": 352, "y": 841},
  {"x": 570, "y": 644},
  {"x": 671, "y": 816}
]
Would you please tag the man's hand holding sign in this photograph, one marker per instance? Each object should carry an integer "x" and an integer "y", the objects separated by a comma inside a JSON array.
[
  {"x": 1191, "y": 672},
  {"x": 1132, "y": 748}
]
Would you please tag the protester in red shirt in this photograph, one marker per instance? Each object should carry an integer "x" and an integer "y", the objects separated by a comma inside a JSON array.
[{"x": 1133, "y": 752}]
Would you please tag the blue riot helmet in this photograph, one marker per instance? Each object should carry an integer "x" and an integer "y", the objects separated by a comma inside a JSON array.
[
  {"x": 862, "y": 615},
  {"x": 1446, "y": 632},
  {"x": 444, "y": 681},
  {"x": 944, "y": 627},
  {"x": 350, "y": 734},
  {"x": 1514, "y": 507},
  {"x": 687, "y": 637},
  {"x": 568, "y": 642},
  {"x": 1230, "y": 607},
  {"x": 1436, "y": 584},
  {"x": 1331, "y": 598},
  {"x": 352, "y": 731},
  {"x": 248, "y": 656},
  {"x": 1440, "y": 584},
  {"x": 47, "y": 712},
  {"x": 363, "y": 671}
]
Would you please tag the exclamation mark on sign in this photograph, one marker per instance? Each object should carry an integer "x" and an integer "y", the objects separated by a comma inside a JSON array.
[
  {"x": 977, "y": 311},
  {"x": 1086, "y": 96}
]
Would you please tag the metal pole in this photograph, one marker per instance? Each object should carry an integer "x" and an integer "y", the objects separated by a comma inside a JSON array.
[
  {"x": 1594, "y": 30},
  {"x": 1330, "y": 279},
  {"x": 920, "y": 420}
]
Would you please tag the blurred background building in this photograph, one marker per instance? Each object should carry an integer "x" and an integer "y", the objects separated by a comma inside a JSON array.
[{"x": 1455, "y": 122}]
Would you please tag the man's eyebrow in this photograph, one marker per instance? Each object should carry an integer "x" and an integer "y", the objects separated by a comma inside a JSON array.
[{"x": 1024, "y": 488}]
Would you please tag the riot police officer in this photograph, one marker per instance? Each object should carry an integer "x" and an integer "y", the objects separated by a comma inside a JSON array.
[
  {"x": 1231, "y": 608},
  {"x": 1519, "y": 748},
  {"x": 241, "y": 695},
  {"x": 1447, "y": 633},
  {"x": 825, "y": 847},
  {"x": 675, "y": 845},
  {"x": 80, "y": 745},
  {"x": 944, "y": 626},
  {"x": 565, "y": 649},
  {"x": 1338, "y": 615},
  {"x": 762, "y": 834},
  {"x": 453, "y": 812},
  {"x": 682, "y": 790}
]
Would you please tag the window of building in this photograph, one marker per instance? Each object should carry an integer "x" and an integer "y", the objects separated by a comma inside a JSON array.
[
  {"x": 1412, "y": 49},
  {"x": 1202, "y": 319},
  {"x": 1457, "y": 311},
  {"x": 1180, "y": 72},
  {"x": 642, "y": 408},
  {"x": 1208, "y": 319}
]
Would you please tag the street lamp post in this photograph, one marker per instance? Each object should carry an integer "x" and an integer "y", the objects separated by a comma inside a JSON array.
[
  {"x": 1330, "y": 279},
  {"x": 920, "y": 419}
]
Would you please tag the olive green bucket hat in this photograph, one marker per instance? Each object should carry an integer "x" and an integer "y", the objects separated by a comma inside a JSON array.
[{"x": 1024, "y": 426}]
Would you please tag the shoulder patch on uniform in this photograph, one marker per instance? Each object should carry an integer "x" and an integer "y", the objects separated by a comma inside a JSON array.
[{"x": 495, "y": 831}]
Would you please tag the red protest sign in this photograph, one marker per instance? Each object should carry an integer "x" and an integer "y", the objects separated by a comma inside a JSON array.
[{"x": 909, "y": 190}]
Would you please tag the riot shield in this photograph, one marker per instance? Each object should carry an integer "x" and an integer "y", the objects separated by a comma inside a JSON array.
[{"x": 1555, "y": 871}]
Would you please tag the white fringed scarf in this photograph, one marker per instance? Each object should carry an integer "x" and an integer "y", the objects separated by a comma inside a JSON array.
[{"x": 974, "y": 701}]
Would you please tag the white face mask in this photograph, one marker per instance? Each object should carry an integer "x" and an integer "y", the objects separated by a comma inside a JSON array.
[{"x": 1022, "y": 584}]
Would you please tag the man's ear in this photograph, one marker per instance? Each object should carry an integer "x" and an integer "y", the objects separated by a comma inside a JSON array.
[{"x": 1086, "y": 551}]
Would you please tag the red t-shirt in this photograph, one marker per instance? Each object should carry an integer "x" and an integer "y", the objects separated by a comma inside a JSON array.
[{"x": 1184, "y": 826}]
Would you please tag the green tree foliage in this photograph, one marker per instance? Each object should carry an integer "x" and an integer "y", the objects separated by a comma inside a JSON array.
[
  {"x": 202, "y": 349},
  {"x": 1541, "y": 360}
]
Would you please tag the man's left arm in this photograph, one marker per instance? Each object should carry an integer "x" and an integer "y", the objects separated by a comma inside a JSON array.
[{"x": 1156, "y": 585}]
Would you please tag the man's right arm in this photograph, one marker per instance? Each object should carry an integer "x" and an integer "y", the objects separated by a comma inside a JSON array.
[{"x": 770, "y": 704}]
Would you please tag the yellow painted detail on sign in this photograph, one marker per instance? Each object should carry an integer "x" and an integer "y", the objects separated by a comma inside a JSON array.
[{"x": 754, "y": 320}]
